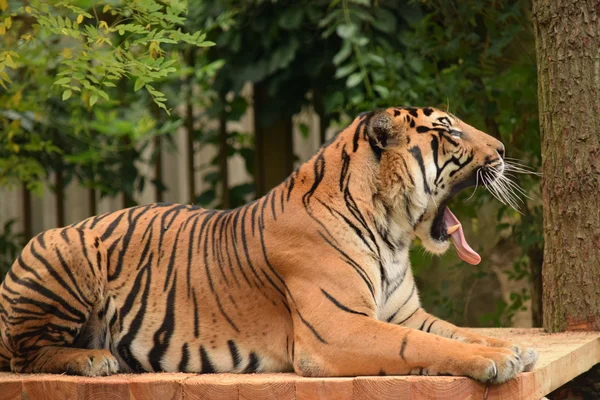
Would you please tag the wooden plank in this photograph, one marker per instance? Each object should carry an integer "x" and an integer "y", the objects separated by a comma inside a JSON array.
[
  {"x": 164, "y": 386},
  {"x": 563, "y": 356}
]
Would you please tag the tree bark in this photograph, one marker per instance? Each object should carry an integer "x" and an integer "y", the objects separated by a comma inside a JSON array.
[{"x": 567, "y": 34}]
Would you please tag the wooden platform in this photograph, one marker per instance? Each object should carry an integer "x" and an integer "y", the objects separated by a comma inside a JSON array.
[{"x": 562, "y": 357}]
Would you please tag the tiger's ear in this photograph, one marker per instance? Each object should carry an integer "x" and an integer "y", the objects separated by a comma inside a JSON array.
[{"x": 383, "y": 130}]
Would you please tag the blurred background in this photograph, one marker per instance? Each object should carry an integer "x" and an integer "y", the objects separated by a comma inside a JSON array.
[{"x": 104, "y": 105}]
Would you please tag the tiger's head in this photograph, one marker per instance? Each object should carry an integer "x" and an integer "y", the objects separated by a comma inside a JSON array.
[{"x": 426, "y": 157}]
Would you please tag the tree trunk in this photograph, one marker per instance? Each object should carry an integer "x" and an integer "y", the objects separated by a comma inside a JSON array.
[
  {"x": 567, "y": 34},
  {"x": 59, "y": 191},
  {"x": 27, "y": 218},
  {"x": 273, "y": 144},
  {"x": 323, "y": 117},
  {"x": 189, "y": 124},
  {"x": 223, "y": 154}
]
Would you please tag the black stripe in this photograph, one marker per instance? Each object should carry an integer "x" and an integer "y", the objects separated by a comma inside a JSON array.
[
  {"x": 64, "y": 236},
  {"x": 403, "y": 346},
  {"x": 292, "y": 181},
  {"x": 43, "y": 290},
  {"x": 340, "y": 305},
  {"x": 111, "y": 228},
  {"x": 207, "y": 366},
  {"x": 353, "y": 227},
  {"x": 319, "y": 172},
  {"x": 355, "y": 211},
  {"x": 272, "y": 194},
  {"x": 191, "y": 239},
  {"x": 235, "y": 354},
  {"x": 204, "y": 238},
  {"x": 40, "y": 239},
  {"x": 416, "y": 152},
  {"x": 85, "y": 251},
  {"x": 172, "y": 260},
  {"x": 245, "y": 245},
  {"x": 27, "y": 268},
  {"x": 345, "y": 167},
  {"x": 310, "y": 327},
  {"x": 81, "y": 298},
  {"x": 126, "y": 241},
  {"x": 430, "y": 325},
  {"x": 234, "y": 240},
  {"x": 225, "y": 314},
  {"x": 357, "y": 133},
  {"x": 133, "y": 292},
  {"x": 216, "y": 244},
  {"x": 359, "y": 270},
  {"x": 47, "y": 308},
  {"x": 162, "y": 337},
  {"x": 225, "y": 239},
  {"x": 253, "y": 364},
  {"x": 409, "y": 296},
  {"x": 185, "y": 358},
  {"x": 196, "y": 316}
]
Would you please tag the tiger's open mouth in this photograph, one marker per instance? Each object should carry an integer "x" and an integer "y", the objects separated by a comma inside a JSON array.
[{"x": 447, "y": 226}]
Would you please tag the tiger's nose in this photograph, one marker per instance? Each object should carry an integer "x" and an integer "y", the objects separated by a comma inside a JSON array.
[{"x": 500, "y": 150}]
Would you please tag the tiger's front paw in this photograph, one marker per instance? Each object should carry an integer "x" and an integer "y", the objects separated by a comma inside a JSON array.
[
  {"x": 494, "y": 365},
  {"x": 527, "y": 355},
  {"x": 92, "y": 363}
]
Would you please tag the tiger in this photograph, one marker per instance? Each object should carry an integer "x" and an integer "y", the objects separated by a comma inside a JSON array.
[{"x": 314, "y": 277}]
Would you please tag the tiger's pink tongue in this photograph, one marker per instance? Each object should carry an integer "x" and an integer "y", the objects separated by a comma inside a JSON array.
[{"x": 463, "y": 249}]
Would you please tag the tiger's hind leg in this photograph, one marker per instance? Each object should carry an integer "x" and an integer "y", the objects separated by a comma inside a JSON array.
[{"x": 50, "y": 297}]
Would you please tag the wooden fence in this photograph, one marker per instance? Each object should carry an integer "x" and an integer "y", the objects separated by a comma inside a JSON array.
[{"x": 34, "y": 214}]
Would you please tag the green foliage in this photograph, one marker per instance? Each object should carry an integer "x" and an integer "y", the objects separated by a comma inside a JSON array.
[
  {"x": 11, "y": 244},
  {"x": 72, "y": 74},
  {"x": 118, "y": 40},
  {"x": 277, "y": 44}
]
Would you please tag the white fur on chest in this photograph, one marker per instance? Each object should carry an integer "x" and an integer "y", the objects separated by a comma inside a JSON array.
[{"x": 398, "y": 294}]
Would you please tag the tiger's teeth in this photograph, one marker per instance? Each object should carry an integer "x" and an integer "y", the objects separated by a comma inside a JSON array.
[{"x": 453, "y": 228}]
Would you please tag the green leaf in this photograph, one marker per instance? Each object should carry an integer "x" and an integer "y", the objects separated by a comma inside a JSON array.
[
  {"x": 360, "y": 40},
  {"x": 66, "y": 94},
  {"x": 354, "y": 79},
  {"x": 62, "y": 81},
  {"x": 206, "y": 44},
  {"x": 138, "y": 85},
  {"x": 376, "y": 59},
  {"x": 345, "y": 70},
  {"x": 346, "y": 31},
  {"x": 93, "y": 100},
  {"x": 342, "y": 54}
]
